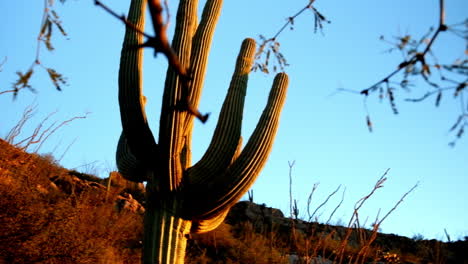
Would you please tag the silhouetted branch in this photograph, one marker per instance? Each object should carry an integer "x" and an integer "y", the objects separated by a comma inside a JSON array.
[
  {"x": 416, "y": 63},
  {"x": 271, "y": 45},
  {"x": 417, "y": 57}
]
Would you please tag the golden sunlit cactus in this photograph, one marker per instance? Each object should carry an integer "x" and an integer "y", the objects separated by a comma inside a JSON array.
[{"x": 183, "y": 198}]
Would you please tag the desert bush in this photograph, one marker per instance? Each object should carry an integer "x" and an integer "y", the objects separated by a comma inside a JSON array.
[
  {"x": 42, "y": 224},
  {"x": 232, "y": 244}
]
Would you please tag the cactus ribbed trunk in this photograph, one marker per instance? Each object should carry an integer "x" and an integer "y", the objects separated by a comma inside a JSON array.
[
  {"x": 182, "y": 198},
  {"x": 165, "y": 236}
]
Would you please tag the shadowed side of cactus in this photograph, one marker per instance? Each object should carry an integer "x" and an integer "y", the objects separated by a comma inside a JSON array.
[{"x": 183, "y": 198}]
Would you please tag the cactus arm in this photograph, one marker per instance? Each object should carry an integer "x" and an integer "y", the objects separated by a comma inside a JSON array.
[
  {"x": 201, "y": 46},
  {"x": 228, "y": 130},
  {"x": 171, "y": 121},
  {"x": 128, "y": 165},
  {"x": 209, "y": 200},
  {"x": 210, "y": 224},
  {"x": 181, "y": 199},
  {"x": 205, "y": 225},
  {"x": 137, "y": 141}
]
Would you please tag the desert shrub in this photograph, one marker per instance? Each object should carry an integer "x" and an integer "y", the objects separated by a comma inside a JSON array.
[
  {"x": 42, "y": 224},
  {"x": 232, "y": 244}
]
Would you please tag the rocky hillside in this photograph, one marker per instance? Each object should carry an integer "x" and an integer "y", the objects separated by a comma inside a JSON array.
[{"x": 53, "y": 215}]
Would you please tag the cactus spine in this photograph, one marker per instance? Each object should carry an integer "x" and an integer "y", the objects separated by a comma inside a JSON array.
[{"x": 183, "y": 198}]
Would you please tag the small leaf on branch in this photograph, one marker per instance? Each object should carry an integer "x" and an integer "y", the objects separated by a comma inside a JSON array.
[
  {"x": 58, "y": 24},
  {"x": 460, "y": 132},
  {"x": 438, "y": 98},
  {"x": 44, "y": 27},
  {"x": 460, "y": 87},
  {"x": 318, "y": 19},
  {"x": 406, "y": 84},
  {"x": 369, "y": 123},
  {"x": 22, "y": 82},
  {"x": 404, "y": 41},
  {"x": 391, "y": 99},
  {"x": 46, "y": 34},
  {"x": 425, "y": 69},
  {"x": 56, "y": 78},
  {"x": 460, "y": 118},
  {"x": 54, "y": 14},
  {"x": 267, "y": 57}
]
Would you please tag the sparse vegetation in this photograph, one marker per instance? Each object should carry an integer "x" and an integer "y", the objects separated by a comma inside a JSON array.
[
  {"x": 53, "y": 215},
  {"x": 50, "y": 215}
]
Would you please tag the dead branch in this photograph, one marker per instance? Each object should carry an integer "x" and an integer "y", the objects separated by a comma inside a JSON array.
[
  {"x": 336, "y": 208},
  {"x": 28, "y": 112},
  {"x": 324, "y": 202},
  {"x": 40, "y": 134},
  {"x": 309, "y": 200},
  {"x": 45, "y": 136}
]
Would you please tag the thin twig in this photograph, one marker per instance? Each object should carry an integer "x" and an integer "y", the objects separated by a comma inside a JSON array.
[
  {"x": 58, "y": 127},
  {"x": 325, "y": 202},
  {"x": 273, "y": 44},
  {"x": 336, "y": 208},
  {"x": 417, "y": 57},
  {"x": 309, "y": 200},
  {"x": 398, "y": 203},
  {"x": 291, "y": 165},
  {"x": 3, "y": 63}
]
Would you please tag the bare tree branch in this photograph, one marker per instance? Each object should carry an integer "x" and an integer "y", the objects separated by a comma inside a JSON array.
[{"x": 271, "y": 45}]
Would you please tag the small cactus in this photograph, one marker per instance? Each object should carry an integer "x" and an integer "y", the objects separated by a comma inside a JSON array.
[
  {"x": 182, "y": 198},
  {"x": 250, "y": 193}
]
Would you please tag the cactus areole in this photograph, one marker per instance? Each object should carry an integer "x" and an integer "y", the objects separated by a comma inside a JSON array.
[{"x": 183, "y": 198}]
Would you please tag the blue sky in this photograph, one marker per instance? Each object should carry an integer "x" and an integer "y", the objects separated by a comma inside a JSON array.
[{"x": 324, "y": 132}]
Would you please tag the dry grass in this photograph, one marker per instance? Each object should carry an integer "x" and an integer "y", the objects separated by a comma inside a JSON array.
[
  {"x": 41, "y": 223},
  {"x": 48, "y": 216}
]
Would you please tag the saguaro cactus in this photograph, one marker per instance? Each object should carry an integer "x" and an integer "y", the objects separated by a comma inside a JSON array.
[{"x": 183, "y": 198}]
